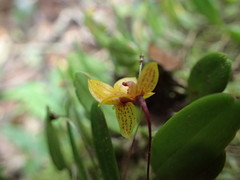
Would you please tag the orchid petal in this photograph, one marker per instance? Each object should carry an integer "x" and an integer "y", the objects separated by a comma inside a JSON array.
[
  {"x": 113, "y": 99},
  {"x": 148, "y": 79},
  {"x": 100, "y": 90},
  {"x": 147, "y": 95},
  {"x": 126, "y": 118}
]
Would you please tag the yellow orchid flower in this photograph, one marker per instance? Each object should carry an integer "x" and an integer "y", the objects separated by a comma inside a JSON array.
[{"x": 124, "y": 93}]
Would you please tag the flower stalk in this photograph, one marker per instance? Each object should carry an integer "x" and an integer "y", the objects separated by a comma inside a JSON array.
[{"x": 141, "y": 101}]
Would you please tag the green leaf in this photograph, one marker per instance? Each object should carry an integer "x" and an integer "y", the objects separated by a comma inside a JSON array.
[
  {"x": 209, "y": 75},
  {"x": 190, "y": 145},
  {"x": 79, "y": 61},
  {"x": 213, "y": 168},
  {"x": 83, "y": 94},
  {"x": 234, "y": 32},
  {"x": 76, "y": 153},
  {"x": 97, "y": 29},
  {"x": 153, "y": 18},
  {"x": 208, "y": 9},
  {"x": 28, "y": 94},
  {"x": 169, "y": 8},
  {"x": 53, "y": 143},
  {"x": 111, "y": 118},
  {"x": 103, "y": 144},
  {"x": 124, "y": 51},
  {"x": 121, "y": 23}
]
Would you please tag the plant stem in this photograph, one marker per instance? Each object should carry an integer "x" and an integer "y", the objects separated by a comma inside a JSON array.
[{"x": 144, "y": 107}]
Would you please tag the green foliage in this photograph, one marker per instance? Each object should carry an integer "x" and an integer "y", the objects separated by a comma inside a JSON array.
[
  {"x": 208, "y": 9},
  {"x": 81, "y": 62},
  {"x": 83, "y": 94},
  {"x": 2, "y": 176},
  {"x": 124, "y": 51},
  {"x": 234, "y": 32},
  {"x": 97, "y": 29},
  {"x": 81, "y": 172},
  {"x": 169, "y": 7},
  {"x": 153, "y": 18},
  {"x": 195, "y": 137},
  {"x": 103, "y": 144},
  {"x": 32, "y": 146},
  {"x": 49, "y": 173},
  {"x": 28, "y": 94},
  {"x": 210, "y": 75},
  {"x": 53, "y": 142}
]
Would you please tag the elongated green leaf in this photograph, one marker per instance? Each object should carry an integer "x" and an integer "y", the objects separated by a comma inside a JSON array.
[
  {"x": 76, "y": 153},
  {"x": 193, "y": 140},
  {"x": 54, "y": 143},
  {"x": 209, "y": 75},
  {"x": 79, "y": 61},
  {"x": 213, "y": 167},
  {"x": 97, "y": 29},
  {"x": 169, "y": 8},
  {"x": 103, "y": 145},
  {"x": 234, "y": 32},
  {"x": 208, "y": 9},
  {"x": 124, "y": 51},
  {"x": 111, "y": 118},
  {"x": 153, "y": 18},
  {"x": 83, "y": 94},
  {"x": 121, "y": 24}
]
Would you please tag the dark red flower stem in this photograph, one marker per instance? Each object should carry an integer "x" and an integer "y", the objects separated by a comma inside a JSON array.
[{"x": 144, "y": 107}]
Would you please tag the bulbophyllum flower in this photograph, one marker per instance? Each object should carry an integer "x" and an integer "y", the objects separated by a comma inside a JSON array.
[{"x": 124, "y": 94}]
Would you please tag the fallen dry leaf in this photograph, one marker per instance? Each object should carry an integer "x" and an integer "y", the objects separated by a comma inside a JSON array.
[{"x": 168, "y": 61}]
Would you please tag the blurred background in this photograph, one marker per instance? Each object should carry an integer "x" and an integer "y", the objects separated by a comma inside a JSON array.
[{"x": 44, "y": 42}]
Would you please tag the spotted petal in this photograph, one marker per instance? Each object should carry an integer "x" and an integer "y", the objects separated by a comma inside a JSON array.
[
  {"x": 148, "y": 79},
  {"x": 100, "y": 90},
  {"x": 126, "y": 118}
]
